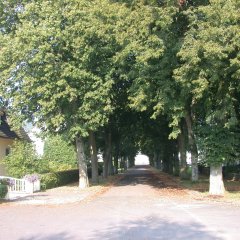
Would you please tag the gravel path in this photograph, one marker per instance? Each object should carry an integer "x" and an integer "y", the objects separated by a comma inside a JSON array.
[{"x": 135, "y": 208}]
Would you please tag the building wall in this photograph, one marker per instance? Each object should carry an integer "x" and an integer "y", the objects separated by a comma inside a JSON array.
[{"x": 4, "y": 144}]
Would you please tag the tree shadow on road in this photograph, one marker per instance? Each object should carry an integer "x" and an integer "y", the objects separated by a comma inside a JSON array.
[
  {"x": 146, "y": 176},
  {"x": 152, "y": 228},
  {"x": 165, "y": 184}
]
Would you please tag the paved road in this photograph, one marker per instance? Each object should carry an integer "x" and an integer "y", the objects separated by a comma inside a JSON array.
[{"x": 131, "y": 210}]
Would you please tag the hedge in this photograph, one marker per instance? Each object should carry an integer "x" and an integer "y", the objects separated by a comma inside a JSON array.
[
  {"x": 57, "y": 179},
  {"x": 51, "y": 180}
]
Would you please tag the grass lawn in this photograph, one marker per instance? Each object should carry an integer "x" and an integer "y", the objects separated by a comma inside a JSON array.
[{"x": 232, "y": 188}]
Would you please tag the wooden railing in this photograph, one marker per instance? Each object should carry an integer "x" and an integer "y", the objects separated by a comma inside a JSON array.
[
  {"x": 17, "y": 185},
  {"x": 22, "y": 185}
]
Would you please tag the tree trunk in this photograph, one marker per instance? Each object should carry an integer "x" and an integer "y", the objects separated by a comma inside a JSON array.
[
  {"x": 125, "y": 162},
  {"x": 83, "y": 177},
  {"x": 167, "y": 158},
  {"x": 151, "y": 160},
  {"x": 155, "y": 159},
  {"x": 193, "y": 148},
  {"x": 116, "y": 156},
  {"x": 94, "y": 159},
  {"x": 183, "y": 156},
  {"x": 110, "y": 165},
  {"x": 107, "y": 154},
  {"x": 216, "y": 181},
  {"x": 131, "y": 159},
  {"x": 176, "y": 166},
  {"x": 122, "y": 163}
]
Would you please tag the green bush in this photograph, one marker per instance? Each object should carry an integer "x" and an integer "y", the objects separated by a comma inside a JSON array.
[
  {"x": 51, "y": 180},
  {"x": 22, "y": 159},
  {"x": 59, "y": 155},
  {"x": 3, "y": 190}
]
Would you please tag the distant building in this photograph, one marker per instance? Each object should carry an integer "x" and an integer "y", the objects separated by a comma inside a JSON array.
[{"x": 7, "y": 136}]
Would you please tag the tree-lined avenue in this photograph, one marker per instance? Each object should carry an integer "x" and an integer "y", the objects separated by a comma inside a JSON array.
[{"x": 135, "y": 208}]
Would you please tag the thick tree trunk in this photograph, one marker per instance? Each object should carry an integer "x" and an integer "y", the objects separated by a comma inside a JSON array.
[
  {"x": 156, "y": 159},
  {"x": 116, "y": 156},
  {"x": 131, "y": 159},
  {"x": 125, "y": 160},
  {"x": 167, "y": 157},
  {"x": 94, "y": 159},
  {"x": 193, "y": 148},
  {"x": 122, "y": 164},
  {"x": 110, "y": 165},
  {"x": 83, "y": 177},
  {"x": 107, "y": 154},
  {"x": 105, "y": 166},
  {"x": 216, "y": 181},
  {"x": 151, "y": 160},
  {"x": 167, "y": 162},
  {"x": 176, "y": 165},
  {"x": 183, "y": 155}
]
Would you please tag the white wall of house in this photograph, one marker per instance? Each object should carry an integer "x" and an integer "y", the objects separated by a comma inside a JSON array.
[{"x": 4, "y": 144}]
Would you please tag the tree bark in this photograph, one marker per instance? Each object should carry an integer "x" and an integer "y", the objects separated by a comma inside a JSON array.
[
  {"x": 107, "y": 154},
  {"x": 167, "y": 157},
  {"x": 110, "y": 164},
  {"x": 216, "y": 181},
  {"x": 176, "y": 162},
  {"x": 94, "y": 159},
  {"x": 157, "y": 159},
  {"x": 116, "y": 156},
  {"x": 193, "y": 148},
  {"x": 125, "y": 160},
  {"x": 183, "y": 155},
  {"x": 122, "y": 163},
  {"x": 131, "y": 159},
  {"x": 83, "y": 177}
]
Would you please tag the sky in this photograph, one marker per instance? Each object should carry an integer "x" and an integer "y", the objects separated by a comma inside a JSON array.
[
  {"x": 141, "y": 159},
  {"x": 39, "y": 144}
]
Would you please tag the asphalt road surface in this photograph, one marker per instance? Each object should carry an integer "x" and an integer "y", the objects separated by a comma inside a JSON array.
[{"x": 133, "y": 209}]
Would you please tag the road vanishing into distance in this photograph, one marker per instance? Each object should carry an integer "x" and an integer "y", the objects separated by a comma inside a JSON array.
[{"x": 135, "y": 208}]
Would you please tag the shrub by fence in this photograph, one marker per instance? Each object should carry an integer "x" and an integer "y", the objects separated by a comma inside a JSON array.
[{"x": 3, "y": 190}]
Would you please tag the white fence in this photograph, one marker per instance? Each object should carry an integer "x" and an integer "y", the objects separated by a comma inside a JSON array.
[{"x": 21, "y": 187}]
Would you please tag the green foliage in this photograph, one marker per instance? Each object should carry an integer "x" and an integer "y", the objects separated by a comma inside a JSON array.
[
  {"x": 208, "y": 76},
  {"x": 209, "y": 56},
  {"x": 51, "y": 180},
  {"x": 59, "y": 154},
  {"x": 218, "y": 144},
  {"x": 3, "y": 188},
  {"x": 22, "y": 160},
  {"x": 61, "y": 58}
]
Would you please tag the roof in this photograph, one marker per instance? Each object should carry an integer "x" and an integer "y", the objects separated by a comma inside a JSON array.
[{"x": 6, "y": 132}]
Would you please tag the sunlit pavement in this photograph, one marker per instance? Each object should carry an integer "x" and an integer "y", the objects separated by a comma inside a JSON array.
[{"x": 133, "y": 209}]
